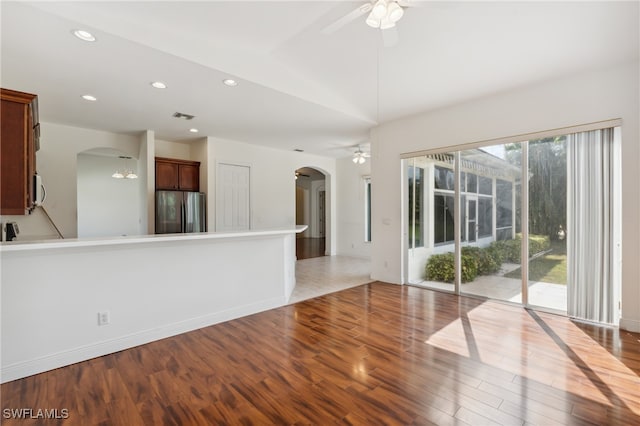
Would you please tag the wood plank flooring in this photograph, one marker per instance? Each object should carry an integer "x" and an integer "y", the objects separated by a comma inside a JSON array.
[
  {"x": 373, "y": 354},
  {"x": 307, "y": 248}
]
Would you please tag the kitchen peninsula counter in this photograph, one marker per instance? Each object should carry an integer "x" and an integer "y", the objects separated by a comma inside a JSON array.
[
  {"x": 137, "y": 239},
  {"x": 56, "y": 294}
]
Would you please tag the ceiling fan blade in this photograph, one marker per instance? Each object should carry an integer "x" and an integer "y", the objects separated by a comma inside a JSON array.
[
  {"x": 390, "y": 37},
  {"x": 412, "y": 3},
  {"x": 354, "y": 14}
]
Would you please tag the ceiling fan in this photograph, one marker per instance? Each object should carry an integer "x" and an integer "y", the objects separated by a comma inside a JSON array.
[
  {"x": 383, "y": 14},
  {"x": 359, "y": 157}
]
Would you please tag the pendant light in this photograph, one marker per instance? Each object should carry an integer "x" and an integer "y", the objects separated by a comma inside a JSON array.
[{"x": 126, "y": 173}]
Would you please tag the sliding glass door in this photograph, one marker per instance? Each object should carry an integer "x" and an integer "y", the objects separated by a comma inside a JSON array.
[{"x": 518, "y": 222}]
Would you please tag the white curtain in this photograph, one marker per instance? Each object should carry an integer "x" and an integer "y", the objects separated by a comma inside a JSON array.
[{"x": 591, "y": 291}]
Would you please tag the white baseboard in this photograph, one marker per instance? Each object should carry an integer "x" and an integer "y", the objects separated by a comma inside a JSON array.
[
  {"x": 630, "y": 325},
  {"x": 83, "y": 353}
]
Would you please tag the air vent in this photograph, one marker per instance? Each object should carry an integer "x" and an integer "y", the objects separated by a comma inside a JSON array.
[
  {"x": 183, "y": 116},
  {"x": 299, "y": 150}
]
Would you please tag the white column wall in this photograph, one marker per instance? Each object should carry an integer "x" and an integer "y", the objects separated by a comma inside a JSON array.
[{"x": 351, "y": 214}]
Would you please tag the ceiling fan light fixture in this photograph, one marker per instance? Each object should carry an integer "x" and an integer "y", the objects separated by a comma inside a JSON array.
[
  {"x": 395, "y": 12},
  {"x": 380, "y": 9},
  {"x": 359, "y": 160},
  {"x": 386, "y": 23},
  {"x": 372, "y": 21},
  {"x": 359, "y": 157}
]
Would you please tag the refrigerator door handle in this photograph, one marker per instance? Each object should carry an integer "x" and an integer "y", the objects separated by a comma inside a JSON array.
[{"x": 183, "y": 216}]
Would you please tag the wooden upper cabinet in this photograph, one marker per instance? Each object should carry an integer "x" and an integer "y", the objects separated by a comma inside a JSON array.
[
  {"x": 177, "y": 175},
  {"x": 189, "y": 177},
  {"x": 18, "y": 146},
  {"x": 166, "y": 175}
]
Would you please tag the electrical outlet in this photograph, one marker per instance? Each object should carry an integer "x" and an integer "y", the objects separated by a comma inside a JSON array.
[{"x": 104, "y": 318}]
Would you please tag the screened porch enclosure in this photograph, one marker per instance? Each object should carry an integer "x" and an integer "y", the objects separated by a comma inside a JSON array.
[{"x": 487, "y": 208}]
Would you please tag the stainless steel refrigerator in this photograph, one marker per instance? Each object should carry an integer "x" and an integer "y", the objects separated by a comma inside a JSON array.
[{"x": 180, "y": 211}]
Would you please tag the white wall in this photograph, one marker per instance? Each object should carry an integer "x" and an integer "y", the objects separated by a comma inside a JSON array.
[
  {"x": 148, "y": 185},
  {"x": 584, "y": 98},
  {"x": 273, "y": 193},
  {"x": 57, "y": 163},
  {"x": 351, "y": 211},
  {"x": 107, "y": 207},
  {"x": 177, "y": 150}
]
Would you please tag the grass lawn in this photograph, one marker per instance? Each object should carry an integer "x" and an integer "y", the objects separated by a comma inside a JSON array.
[{"x": 550, "y": 268}]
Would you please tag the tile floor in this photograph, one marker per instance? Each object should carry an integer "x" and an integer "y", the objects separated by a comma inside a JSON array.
[
  {"x": 327, "y": 274},
  {"x": 546, "y": 295}
]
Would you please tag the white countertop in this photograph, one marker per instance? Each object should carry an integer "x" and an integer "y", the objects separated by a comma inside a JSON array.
[{"x": 11, "y": 246}]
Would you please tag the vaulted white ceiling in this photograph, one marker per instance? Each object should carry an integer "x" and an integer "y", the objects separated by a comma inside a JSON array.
[{"x": 299, "y": 88}]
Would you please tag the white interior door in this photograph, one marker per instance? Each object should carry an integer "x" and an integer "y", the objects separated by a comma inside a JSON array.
[{"x": 232, "y": 197}]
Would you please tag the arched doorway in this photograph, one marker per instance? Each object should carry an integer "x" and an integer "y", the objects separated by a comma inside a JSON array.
[{"x": 311, "y": 210}]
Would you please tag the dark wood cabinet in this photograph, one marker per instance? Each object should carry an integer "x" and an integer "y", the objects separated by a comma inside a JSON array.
[
  {"x": 18, "y": 146},
  {"x": 177, "y": 175}
]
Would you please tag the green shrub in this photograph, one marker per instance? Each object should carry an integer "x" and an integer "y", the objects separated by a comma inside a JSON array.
[
  {"x": 495, "y": 254},
  {"x": 538, "y": 243},
  {"x": 469, "y": 268},
  {"x": 509, "y": 250},
  {"x": 482, "y": 261},
  {"x": 486, "y": 260},
  {"x": 440, "y": 267}
]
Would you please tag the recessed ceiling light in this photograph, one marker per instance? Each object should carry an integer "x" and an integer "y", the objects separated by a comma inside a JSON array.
[
  {"x": 159, "y": 85},
  {"x": 230, "y": 82},
  {"x": 193, "y": 130},
  {"x": 84, "y": 35},
  {"x": 89, "y": 98}
]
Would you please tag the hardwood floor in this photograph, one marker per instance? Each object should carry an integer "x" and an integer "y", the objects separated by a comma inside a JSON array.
[
  {"x": 373, "y": 354},
  {"x": 307, "y": 248}
]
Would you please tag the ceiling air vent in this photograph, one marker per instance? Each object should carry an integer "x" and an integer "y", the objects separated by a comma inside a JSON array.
[{"x": 183, "y": 116}]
